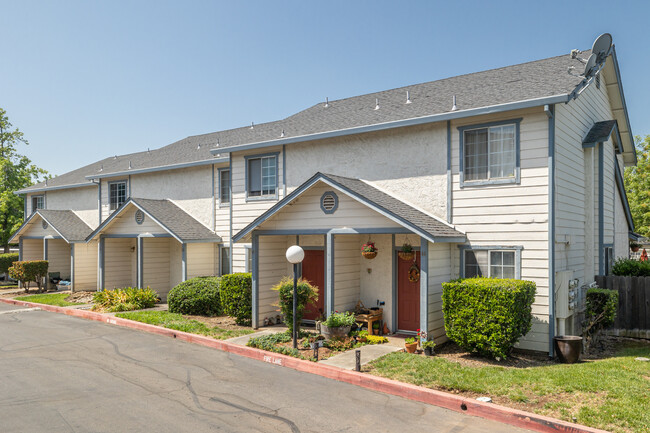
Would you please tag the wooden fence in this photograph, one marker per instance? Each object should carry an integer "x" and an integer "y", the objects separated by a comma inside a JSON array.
[{"x": 633, "y": 301}]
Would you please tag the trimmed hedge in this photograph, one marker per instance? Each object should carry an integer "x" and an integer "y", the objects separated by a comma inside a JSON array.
[
  {"x": 602, "y": 305},
  {"x": 6, "y": 260},
  {"x": 631, "y": 268},
  {"x": 236, "y": 297},
  {"x": 197, "y": 296},
  {"x": 126, "y": 299},
  {"x": 29, "y": 271},
  {"x": 487, "y": 315}
]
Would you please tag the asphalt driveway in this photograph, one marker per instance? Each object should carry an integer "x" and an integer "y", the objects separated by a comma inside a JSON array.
[{"x": 63, "y": 374}]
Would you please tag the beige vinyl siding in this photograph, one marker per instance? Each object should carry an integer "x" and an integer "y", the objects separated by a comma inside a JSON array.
[
  {"x": 58, "y": 256},
  {"x": 272, "y": 267},
  {"x": 125, "y": 224},
  {"x": 512, "y": 214},
  {"x": 156, "y": 265},
  {"x": 576, "y": 177},
  {"x": 244, "y": 212},
  {"x": 439, "y": 262},
  {"x": 175, "y": 263},
  {"x": 85, "y": 266},
  {"x": 33, "y": 249},
  {"x": 347, "y": 282},
  {"x": 35, "y": 228},
  {"x": 105, "y": 194},
  {"x": 201, "y": 260},
  {"x": 119, "y": 263},
  {"x": 306, "y": 213}
]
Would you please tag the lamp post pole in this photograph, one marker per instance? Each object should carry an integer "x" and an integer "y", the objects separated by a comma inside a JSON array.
[{"x": 295, "y": 255}]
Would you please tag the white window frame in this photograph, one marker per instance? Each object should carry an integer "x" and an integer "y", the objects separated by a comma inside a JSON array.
[
  {"x": 37, "y": 197},
  {"x": 126, "y": 194},
  {"x": 516, "y": 178},
  {"x": 490, "y": 249},
  {"x": 222, "y": 202},
  {"x": 273, "y": 159}
]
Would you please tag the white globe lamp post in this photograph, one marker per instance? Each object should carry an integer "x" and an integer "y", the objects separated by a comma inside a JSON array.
[{"x": 295, "y": 255}]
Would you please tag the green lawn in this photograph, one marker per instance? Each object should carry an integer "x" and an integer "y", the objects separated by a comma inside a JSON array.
[
  {"x": 611, "y": 394},
  {"x": 180, "y": 323},
  {"x": 57, "y": 299}
]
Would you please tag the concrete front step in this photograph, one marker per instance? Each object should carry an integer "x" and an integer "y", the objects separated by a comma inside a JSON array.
[{"x": 347, "y": 360}]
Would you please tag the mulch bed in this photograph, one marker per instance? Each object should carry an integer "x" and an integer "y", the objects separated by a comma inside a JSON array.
[
  {"x": 223, "y": 322},
  {"x": 81, "y": 297}
]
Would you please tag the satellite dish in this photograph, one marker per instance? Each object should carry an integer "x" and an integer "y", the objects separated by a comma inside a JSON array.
[
  {"x": 601, "y": 47},
  {"x": 590, "y": 66}
]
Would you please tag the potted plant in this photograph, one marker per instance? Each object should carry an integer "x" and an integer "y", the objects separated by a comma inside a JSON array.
[
  {"x": 337, "y": 325},
  {"x": 406, "y": 252},
  {"x": 411, "y": 344},
  {"x": 428, "y": 346},
  {"x": 634, "y": 246},
  {"x": 375, "y": 328},
  {"x": 369, "y": 251}
]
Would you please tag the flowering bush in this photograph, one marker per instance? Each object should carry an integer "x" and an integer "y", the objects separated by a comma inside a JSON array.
[{"x": 369, "y": 248}]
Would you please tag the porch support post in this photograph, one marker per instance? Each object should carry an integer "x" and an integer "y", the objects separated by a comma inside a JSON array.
[
  {"x": 393, "y": 302},
  {"x": 44, "y": 249},
  {"x": 184, "y": 261},
  {"x": 140, "y": 272},
  {"x": 255, "y": 281},
  {"x": 100, "y": 254},
  {"x": 329, "y": 272},
  {"x": 72, "y": 268},
  {"x": 424, "y": 285},
  {"x": 20, "y": 249}
]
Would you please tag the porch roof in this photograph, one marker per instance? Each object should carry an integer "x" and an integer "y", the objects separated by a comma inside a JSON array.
[
  {"x": 174, "y": 220},
  {"x": 65, "y": 222},
  {"x": 418, "y": 221}
]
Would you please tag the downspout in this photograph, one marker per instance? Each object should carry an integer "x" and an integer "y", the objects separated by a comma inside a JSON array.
[
  {"x": 232, "y": 202},
  {"x": 24, "y": 206},
  {"x": 601, "y": 212},
  {"x": 98, "y": 182},
  {"x": 550, "y": 112},
  {"x": 450, "y": 214},
  {"x": 214, "y": 204}
]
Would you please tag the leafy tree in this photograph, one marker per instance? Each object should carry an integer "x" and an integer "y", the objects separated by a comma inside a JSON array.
[
  {"x": 637, "y": 186},
  {"x": 16, "y": 172}
]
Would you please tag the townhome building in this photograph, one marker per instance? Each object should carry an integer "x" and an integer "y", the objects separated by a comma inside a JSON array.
[{"x": 514, "y": 172}]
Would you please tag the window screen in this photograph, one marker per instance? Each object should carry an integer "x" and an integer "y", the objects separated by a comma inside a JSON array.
[
  {"x": 262, "y": 176},
  {"x": 489, "y": 153},
  {"x": 224, "y": 186},
  {"x": 117, "y": 191}
]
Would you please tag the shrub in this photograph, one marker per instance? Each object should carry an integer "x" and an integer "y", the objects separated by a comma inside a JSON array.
[
  {"x": 29, "y": 271},
  {"x": 6, "y": 260},
  {"x": 600, "y": 312},
  {"x": 272, "y": 343},
  {"x": 376, "y": 339},
  {"x": 341, "y": 319},
  {"x": 197, "y": 296},
  {"x": 127, "y": 299},
  {"x": 631, "y": 268},
  {"x": 235, "y": 291},
  {"x": 306, "y": 294},
  {"x": 487, "y": 315}
]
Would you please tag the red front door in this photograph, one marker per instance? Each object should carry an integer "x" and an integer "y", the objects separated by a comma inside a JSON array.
[
  {"x": 408, "y": 296},
  {"x": 313, "y": 270}
]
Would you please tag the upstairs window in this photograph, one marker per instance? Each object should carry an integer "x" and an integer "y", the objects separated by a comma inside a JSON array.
[
  {"x": 489, "y": 153},
  {"x": 224, "y": 187},
  {"x": 490, "y": 263},
  {"x": 38, "y": 202},
  {"x": 262, "y": 177},
  {"x": 117, "y": 194},
  {"x": 224, "y": 253}
]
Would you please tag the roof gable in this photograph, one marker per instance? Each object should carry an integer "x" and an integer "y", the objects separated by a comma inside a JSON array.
[{"x": 54, "y": 223}]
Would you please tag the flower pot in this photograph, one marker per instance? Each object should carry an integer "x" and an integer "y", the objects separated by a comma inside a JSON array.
[
  {"x": 428, "y": 351},
  {"x": 375, "y": 331},
  {"x": 411, "y": 347},
  {"x": 337, "y": 331},
  {"x": 635, "y": 249},
  {"x": 369, "y": 254},
  {"x": 406, "y": 256},
  {"x": 568, "y": 348}
]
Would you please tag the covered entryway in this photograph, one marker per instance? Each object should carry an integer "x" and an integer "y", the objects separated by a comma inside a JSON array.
[
  {"x": 337, "y": 216},
  {"x": 313, "y": 270},
  {"x": 59, "y": 236},
  {"x": 408, "y": 293},
  {"x": 155, "y": 244}
]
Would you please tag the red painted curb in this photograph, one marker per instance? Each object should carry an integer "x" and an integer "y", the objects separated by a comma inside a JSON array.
[{"x": 453, "y": 402}]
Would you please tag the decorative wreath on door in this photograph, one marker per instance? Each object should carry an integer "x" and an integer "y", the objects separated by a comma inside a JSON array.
[{"x": 414, "y": 273}]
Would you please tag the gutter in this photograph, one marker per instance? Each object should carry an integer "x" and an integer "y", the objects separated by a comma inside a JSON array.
[
  {"x": 159, "y": 168},
  {"x": 52, "y": 188},
  {"x": 400, "y": 123},
  {"x": 550, "y": 112}
]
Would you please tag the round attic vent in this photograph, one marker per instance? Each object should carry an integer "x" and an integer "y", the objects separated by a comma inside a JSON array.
[
  {"x": 329, "y": 202},
  {"x": 139, "y": 216},
  {"x": 44, "y": 224}
]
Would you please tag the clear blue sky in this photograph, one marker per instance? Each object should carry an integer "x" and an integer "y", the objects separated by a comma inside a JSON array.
[{"x": 87, "y": 79}]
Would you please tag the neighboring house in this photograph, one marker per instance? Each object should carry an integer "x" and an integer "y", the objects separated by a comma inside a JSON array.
[{"x": 513, "y": 172}]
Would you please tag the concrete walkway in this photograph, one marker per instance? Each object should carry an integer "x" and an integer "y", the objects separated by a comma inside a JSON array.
[{"x": 347, "y": 360}]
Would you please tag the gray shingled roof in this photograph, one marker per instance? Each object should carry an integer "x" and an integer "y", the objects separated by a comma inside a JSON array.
[
  {"x": 532, "y": 80},
  {"x": 410, "y": 217},
  {"x": 173, "y": 218},
  {"x": 599, "y": 132},
  {"x": 67, "y": 223}
]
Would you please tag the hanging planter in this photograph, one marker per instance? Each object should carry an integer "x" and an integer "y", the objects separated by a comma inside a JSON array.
[
  {"x": 368, "y": 250},
  {"x": 406, "y": 252}
]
